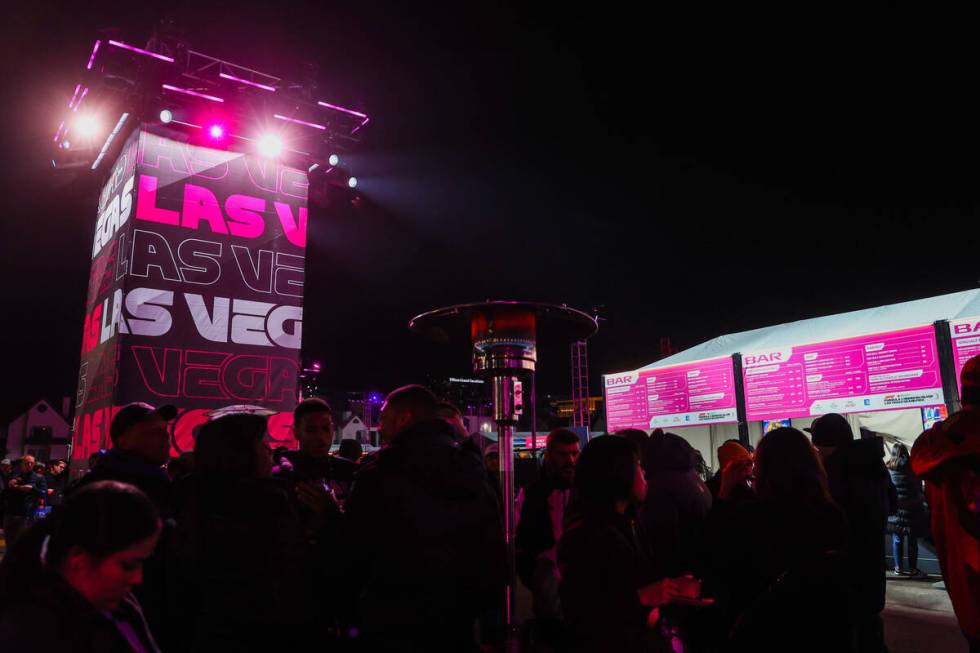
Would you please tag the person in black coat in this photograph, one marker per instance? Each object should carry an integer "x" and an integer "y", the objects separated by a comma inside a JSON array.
[
  {"x": 426, "y": 535},
  {"x": 21, "y": 498},
  {"x": 860, "y": 485},
  {"x": 66, "y": 585},
  {"x": 910, "y": 520}
]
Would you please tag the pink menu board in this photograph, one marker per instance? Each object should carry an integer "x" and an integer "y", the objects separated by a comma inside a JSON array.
[
  {"x": 702, "y": 392},
  {"x": 965, "y": 333},
  {"x": 884, "y": 371}
]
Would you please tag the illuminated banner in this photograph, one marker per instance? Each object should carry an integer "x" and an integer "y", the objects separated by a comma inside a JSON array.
[
  {"x": 196, "y": 288},
  {"x": 966, "y": 343},
  {"x": 681, "y": 395},
  {"x": 885, "y": 371}
]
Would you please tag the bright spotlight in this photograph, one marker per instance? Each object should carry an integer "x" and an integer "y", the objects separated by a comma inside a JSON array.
[
  {"x": 166, "y": 116},
  {"x": 86, "y": 126},
  {"x": 65, "y": 144},
  {"x": 334, "y": 160},
  {"x": 270, "y": 146},
  {"x": 352, "y": 182},
  {"x": 216, "y": 131}
]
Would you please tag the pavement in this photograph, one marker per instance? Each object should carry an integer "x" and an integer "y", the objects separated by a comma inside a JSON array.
[{"x": 919, "y": 617}]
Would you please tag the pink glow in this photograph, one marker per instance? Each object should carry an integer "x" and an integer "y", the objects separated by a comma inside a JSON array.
[
  {"x": 74, "y": 95},
  {"x": 299, "y": 122},
  {"x": 91, "y": 60},
  {"x": 216, "y": 131},
  {"x": 187, "y": 91},
  {"x": 341, "y": 109},
  {"x": 245, "y": 81},
  {"x": 57, "y": 134},
  {"x": 79, "y": 103},
  {"x": 124, "y": 46}
]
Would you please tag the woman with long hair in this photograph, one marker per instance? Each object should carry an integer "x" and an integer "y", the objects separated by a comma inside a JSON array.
[
  {"x": 910, "y": 521},
  {"x": 66, "y": 584},
  {"x": 606, "y": 595},
  {"x": 242, "y": 546},
  {"x": 775, "y": 562}
]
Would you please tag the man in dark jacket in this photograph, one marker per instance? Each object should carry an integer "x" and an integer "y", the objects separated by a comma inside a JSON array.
[
  {"x": 21, "y": 499},
  {"x": 860, "y": 485},
  {"x": 947, "y": 456},
  {"x": 543, "y": 508},
  {"x": 427, "y": 532},
  {"x": 57, "y": 482},
  {"x": 140, "y": 449}
]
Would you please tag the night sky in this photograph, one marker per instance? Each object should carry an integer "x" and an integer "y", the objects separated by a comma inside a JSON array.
[{"x": 690, "y": 181}]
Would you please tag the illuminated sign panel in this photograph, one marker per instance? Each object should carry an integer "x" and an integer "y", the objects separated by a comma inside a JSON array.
[{"x": 196, "y": 288}]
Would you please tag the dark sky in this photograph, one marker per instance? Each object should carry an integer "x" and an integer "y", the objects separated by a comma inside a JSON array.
[{"x": 690, "y": 180}]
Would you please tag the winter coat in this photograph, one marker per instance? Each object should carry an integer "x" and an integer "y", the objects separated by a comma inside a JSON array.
[
  {"x": 947, "y": 457},
  {"x": 536, "y": 527},
  {"x": 671, "y": 519},
  {"x": 910, "y": 515},
  {"x": 22, "y": 503},
  {"x": 246, "y": 573},
  {"x": 52, "y": 616},
  {"x": 160, "y": 591},
  {"x": 772, "y": 566},
  {"x": 426, "y": 538},
  {"x": 860, "y": 485},
  {"x": 602, "y": 567}
]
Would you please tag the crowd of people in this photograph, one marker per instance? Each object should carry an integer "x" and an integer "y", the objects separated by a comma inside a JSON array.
[{"x": 625, "y": 544}]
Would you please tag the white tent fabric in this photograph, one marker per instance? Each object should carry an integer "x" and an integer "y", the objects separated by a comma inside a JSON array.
[{"x": 834, "y": 327}]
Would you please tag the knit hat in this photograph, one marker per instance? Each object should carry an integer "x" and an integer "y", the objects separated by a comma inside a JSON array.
[{"x": 732, "y": 452}]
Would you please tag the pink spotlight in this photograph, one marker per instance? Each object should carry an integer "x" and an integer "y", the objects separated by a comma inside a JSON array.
[
  {"x": 249, "y": 82},
  {"x": 91, "y": 59},
  {"x": 270, "y": 146},
  {"x": 299, "y": 122},
  {"x": 187, "y": 91},
  {"x": 125, "y": 46},
  {"x": 216, "y": 131}
]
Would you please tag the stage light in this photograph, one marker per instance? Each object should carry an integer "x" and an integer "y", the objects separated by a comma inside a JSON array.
[
  {"x": 166, "y": 116},
  {"x": 65, "y": 144},
  {"x": 352, "y": 182},
  {"x": 334, "y": 160},
  {"x": 86, "y": 126},
  {"x": 216, "y": 132},
  {"x": 270, "y": 146}
]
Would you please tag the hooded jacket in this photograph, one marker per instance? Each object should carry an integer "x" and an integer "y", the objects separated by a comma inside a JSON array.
[
  {"x": 426, "y": 532},
  {"x": 673, "y": 516},
  {"x": 947, "y": 456}
]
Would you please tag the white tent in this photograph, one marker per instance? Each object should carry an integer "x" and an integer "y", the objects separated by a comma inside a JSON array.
[
  {"x": 834, "y": 327},
  {"x": 903, "y": 425}
]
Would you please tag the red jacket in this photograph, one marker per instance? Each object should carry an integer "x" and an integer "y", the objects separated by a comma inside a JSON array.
[{"x": 947, "y": 456}]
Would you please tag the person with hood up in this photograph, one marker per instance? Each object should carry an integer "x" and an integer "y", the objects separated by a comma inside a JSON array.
[
  {"x": 859, "y": 483},
  {"x": 427, "y": 533},
  {"x": 672, "y": 517},
  {"x": 947, "y": 457},
  {"x": 908, "y": 523}
]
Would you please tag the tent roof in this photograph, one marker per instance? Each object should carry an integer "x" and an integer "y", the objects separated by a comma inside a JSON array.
[{"x": 834, "y": 327}]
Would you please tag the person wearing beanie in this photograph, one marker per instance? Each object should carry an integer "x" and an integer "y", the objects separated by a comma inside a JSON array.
[
  {"x": 947, "y": 457},
  {"x": 860, "y": 484},
  {"x": 732, "y": 452}
]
